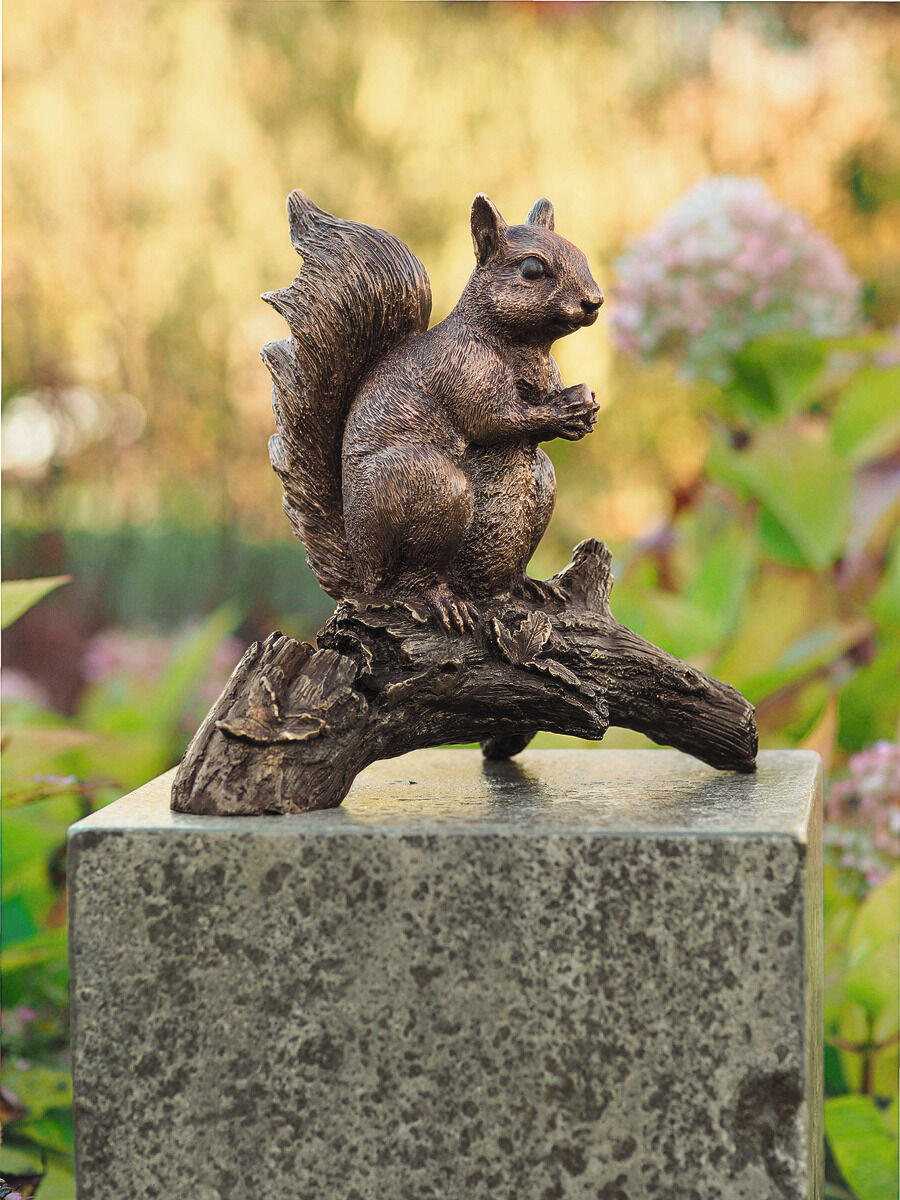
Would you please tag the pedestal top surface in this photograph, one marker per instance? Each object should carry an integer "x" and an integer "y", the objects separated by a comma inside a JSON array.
[{"x": 539, "y": 792}]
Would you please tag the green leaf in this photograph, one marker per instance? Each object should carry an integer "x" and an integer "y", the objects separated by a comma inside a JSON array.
[
  {"x": 28, "y": 888},
  {"x": 773, "y": 375},
  {"x": 841, "y": 904},
  {"x": 802, "y": 485},
  {"x": 885, "y": 604},
  {"x": 779, "y": 609},
  {"x": 39, "y": 1089},
  {"x": 37, "y": 829},
  {"x": 15, "y": 1160},
  {"x": 835, "y": 1083},
  {"x": 53, "y": 1131},
  {"x": 872, "y": 983},
  {"x": 776, "y": 540},
  {"x": 59, "y": 1182},
  {"x": 865, "y": 992},
  {"x": 675, "y": 621},
  {"x": 811, "y": 652},
  {"x": 866, "y": 422},
  {"x": 864, "y": 1145},
  {"x": 870, "y": 702},
  {"x": 717, "y": 559},
  {"x": 726, "y": 567},
  {"x": 18, "y": 595},
  {"x": 45, "y": 947},
  {"x": 877, "y": 923},
  {"x": 853, "y": 1030}
]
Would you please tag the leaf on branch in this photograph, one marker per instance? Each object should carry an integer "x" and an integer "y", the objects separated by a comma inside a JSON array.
[
  {"x": 523, "y": 645},
  {"x": 551, "y": 667}
]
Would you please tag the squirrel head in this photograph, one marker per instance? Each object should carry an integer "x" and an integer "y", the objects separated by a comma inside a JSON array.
[{"x": 529, "y": 284}]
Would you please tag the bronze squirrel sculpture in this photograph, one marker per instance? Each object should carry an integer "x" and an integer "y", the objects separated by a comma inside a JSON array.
[
  {"x": 412, "y": 470},
  {"x": 410, "y": 457}
]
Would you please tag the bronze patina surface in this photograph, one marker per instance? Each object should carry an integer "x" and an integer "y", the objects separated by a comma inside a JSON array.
[{"x": 413, "y": 472}]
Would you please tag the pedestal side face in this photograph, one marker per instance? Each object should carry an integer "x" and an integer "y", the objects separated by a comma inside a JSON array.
[{"x": 508, "y": 1004}]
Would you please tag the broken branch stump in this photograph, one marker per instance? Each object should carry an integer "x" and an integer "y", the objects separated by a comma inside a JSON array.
[{"x": 295, "y": 724}]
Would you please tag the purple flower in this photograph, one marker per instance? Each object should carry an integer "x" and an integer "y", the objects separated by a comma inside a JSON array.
[
  {"x": 142, "y": 658},
  {"x": 724, "y": 265},
  {"x": 863, "y": 812},
  {"x": 16, "y": 685}
]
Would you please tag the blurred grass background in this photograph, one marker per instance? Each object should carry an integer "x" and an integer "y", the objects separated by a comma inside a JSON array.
[{"x": 148, "y": 149}]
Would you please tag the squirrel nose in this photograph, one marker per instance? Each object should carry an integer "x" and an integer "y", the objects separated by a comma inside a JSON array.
[{"x": 590, "y": 304}]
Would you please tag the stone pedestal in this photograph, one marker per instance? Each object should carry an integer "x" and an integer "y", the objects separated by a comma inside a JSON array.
[{"x": 591, "y": 975}]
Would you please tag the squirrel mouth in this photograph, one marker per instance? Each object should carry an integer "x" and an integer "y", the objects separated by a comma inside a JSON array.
[{"x": 576, "y": 320}]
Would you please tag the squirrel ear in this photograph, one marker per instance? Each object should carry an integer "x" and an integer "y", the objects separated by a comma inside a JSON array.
[
  {"x": 488, "y": 228},
  {"x": 541, "y": 214}
]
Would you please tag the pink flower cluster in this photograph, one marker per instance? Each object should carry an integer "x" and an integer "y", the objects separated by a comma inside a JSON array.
[
  {"x": 864, "y": 812},
  {"x": 143, "y": 658},
  {"x": 724, "y": 265}
]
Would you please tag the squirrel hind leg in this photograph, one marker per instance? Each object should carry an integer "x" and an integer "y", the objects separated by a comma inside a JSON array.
[{"x": 406, "y": 512}]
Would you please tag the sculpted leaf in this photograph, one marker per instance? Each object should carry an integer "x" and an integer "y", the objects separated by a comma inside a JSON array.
[
  {"x": 551, "y": 667},
  {"x": 523, "y": 645}
]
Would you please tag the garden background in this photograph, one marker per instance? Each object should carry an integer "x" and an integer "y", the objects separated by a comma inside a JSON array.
[{"x": 745, "y": 467}]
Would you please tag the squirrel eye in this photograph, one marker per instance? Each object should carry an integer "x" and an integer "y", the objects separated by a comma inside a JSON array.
[{"x": 532, "y": 268}]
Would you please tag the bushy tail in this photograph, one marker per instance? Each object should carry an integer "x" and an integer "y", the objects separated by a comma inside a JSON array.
[{"x": 360, "y": 291}]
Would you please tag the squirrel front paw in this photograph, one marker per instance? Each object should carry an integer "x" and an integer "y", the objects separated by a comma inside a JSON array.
[{"x": 574, "y": 412}]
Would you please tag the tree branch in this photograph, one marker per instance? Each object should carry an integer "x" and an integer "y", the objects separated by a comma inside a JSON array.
[{"x": 296, "y": 724}]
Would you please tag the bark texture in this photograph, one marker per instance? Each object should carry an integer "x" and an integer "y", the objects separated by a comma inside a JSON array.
[{"x": 296, "y": 723}]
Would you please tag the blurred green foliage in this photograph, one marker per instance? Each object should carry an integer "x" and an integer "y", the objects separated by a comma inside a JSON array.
[
  {"x": 164, "y": 574},
  {"x": 56, "y": 770},
  {"x": 782, "y": 572}
]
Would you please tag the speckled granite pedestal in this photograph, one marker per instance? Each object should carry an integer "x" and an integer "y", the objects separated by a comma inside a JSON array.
[{"x": 592, "y": 974}]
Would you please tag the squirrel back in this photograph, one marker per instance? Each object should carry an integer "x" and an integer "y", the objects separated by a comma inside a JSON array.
[{"x": 360, "y": 293}]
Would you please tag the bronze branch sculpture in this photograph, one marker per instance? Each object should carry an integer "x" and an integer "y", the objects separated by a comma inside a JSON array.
[{"x": 412, "y": 471}]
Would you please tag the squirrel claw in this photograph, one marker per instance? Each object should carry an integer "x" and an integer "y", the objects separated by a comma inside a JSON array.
[
  {"x": 541, "y": 590},
  {"x": 456, "y": 615},
  {"x": 576, "y": 411}
]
